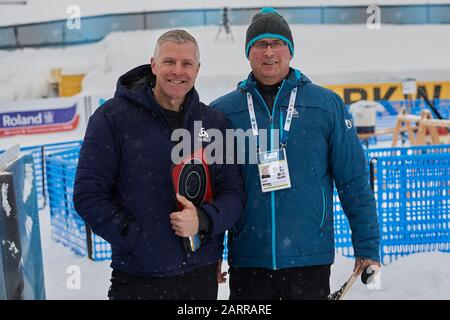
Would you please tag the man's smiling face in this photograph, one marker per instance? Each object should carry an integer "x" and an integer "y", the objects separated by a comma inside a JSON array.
[
  {"x": 176, "y": 67},
  {"x": 270, "y": 60}
]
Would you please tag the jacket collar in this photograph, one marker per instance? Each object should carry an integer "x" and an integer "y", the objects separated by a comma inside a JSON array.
[{"x": 295, "y": 79}]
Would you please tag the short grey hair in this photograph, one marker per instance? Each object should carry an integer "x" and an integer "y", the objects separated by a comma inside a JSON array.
[{"x": 177, "y": 36}]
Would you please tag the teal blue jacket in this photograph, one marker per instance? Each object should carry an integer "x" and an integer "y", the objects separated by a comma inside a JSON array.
[{"x": 294, "y": 227}]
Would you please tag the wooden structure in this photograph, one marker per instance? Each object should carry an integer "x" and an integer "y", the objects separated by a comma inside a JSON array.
[
  {"x": 406, "y": 123},
  {"x": 419, "y": 128},
  {"x": 67, "y": 84},
  {"x": 432, "y": 126}
]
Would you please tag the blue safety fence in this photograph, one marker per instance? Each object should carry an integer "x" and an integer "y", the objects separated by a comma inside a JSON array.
[
  {"x": 413, "y": 201},
  {"x": 67, "y": 226},
  {"x": 410, "y": 151},
  {"x": 342, "y": 233},
  {"x": 412, "y": 192},
  {"x": 38, "y": 153}
]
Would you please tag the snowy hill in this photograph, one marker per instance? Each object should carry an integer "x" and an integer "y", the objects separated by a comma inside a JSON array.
[{"x": 328, "y": 54}]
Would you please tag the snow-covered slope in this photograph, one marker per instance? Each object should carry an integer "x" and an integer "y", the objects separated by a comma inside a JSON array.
[{"x": 328, "y": 54}]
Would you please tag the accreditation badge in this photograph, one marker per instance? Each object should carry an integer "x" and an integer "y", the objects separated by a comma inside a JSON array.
[{"x": 273, "y": 170}]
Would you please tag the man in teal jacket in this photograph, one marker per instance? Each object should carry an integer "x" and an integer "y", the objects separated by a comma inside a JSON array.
[{"x": 283, "y": 246}]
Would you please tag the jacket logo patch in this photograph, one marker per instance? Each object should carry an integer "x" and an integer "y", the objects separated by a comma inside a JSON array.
[
  {"x": 203, "y": 136},
  {"x": 348, "y": 123},
  {"x": 295, "y": 114}
]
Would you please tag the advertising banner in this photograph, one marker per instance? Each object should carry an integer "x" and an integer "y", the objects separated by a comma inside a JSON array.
[
  {"x": 390, "y": 91},
  {"x": 42, "y": 121}
]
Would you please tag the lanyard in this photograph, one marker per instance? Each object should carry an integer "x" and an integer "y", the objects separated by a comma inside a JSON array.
[{"x": 287, "y": 123}]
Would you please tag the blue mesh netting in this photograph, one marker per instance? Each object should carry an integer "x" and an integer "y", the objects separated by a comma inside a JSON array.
[{"x": 412, "y": 191}]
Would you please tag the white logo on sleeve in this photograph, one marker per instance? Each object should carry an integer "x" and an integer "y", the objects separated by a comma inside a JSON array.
[{"x": 348, "y": 123}]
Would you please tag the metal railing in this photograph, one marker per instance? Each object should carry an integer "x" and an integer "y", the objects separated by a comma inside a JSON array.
[{"x": 95, "y": 28}]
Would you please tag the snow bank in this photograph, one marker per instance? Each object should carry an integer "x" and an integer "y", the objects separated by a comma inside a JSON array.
[{"x": 328, "y": 54}]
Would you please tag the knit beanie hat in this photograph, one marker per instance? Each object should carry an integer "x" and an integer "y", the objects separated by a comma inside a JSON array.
[{"x": 268, "y": 23}]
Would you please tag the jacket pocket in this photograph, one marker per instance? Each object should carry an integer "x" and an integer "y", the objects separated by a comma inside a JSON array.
[
  {"x": 125, "y": 236},
  {"x": 130, "y": 230}
]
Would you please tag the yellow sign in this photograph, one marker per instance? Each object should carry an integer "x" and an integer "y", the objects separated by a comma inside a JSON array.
[{"x": 390, "y": 91}]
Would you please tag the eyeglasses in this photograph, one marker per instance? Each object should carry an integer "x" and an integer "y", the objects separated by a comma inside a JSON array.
[{"x": 275, "y": 45}]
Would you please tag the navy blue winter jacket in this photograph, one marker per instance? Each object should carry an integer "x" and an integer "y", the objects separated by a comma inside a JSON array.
[
  {"x": 123, "y": 185},
  {"x": 294, "y": 227}
]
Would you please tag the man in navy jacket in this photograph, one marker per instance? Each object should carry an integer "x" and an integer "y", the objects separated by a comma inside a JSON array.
[{"x": 123, "y": 187}]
